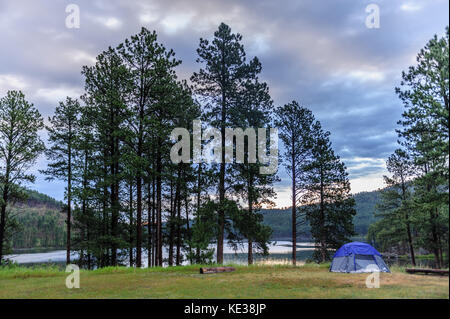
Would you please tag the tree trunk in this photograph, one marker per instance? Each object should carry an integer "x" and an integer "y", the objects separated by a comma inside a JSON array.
[
  {"x": 250, "y": 210},
  {"x": 221, "y": 214},
  {"x": 250, "y": 252},
  {"x": 3, "y": 218},
  {"x": 159, "y": 207},
  {"x": 186, "y": 202},
  {"x": 199, "y": 194},
  {"x": 178, "y": 220},
  {"x": 69, "y": 202},
  {"x": 113, "y": 222},
  {"x": 149, "y": 225},
  {"x": 153, "y": 222},
  {"x": 139, "y": 221},
  {"x": 222, "y": 164},
  {"x": 435, "y": 240},
  {"x": 171, "y": 220},
  {"x": 84, "y": 207},
  {"x": 294, "y": 209},
  {"x": 410, "y": 243},
  {"x": 221, "y": 187},
  {"x": 114, "y": 186},
  {"x": 440, "y": 251},
  {"x": 322, "y": 217},
  {"x": 408, "y": 224},
  {"x": 131, "y": 223},
  {"x": 104, "y": 257}
]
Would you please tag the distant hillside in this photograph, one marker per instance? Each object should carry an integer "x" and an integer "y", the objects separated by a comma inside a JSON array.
[
  {"x": 38, "y": 199},
  {"x": 40, "y": 222},
  {"x": 280, "y": 219},
  {"x": 365, "y": 208},
  {"x": 43, "y": 225}
]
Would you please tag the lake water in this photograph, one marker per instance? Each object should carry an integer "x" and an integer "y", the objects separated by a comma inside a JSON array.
[{"x": 278, "y": 251}]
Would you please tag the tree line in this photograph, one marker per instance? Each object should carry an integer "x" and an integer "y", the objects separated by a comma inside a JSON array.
[
  {"x": 280, "y": 219},
  {"x": 41, "y": 223},
  {"x": 124, "y": 197},
  {"x": 414, "y": 207},
  {"x": 34, "y": 220},
  {"x": 38, "y": 226}
]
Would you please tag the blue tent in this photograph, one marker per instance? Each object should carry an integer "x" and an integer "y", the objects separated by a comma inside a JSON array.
[{"x": 358, "y": 257}]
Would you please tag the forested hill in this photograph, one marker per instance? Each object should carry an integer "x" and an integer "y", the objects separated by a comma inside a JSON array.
[
  {"x": 34, "y": 198},
  {"x": 280, "y": 219},
  {"x": 365, "y": 208},
  {"x": 42, "y": 223},
  {"x": 39, "y": 222}
]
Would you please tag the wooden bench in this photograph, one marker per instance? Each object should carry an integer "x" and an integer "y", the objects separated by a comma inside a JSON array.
[
  {"x": 214, "y": 270},
  {"x": 441, "y": 272}
]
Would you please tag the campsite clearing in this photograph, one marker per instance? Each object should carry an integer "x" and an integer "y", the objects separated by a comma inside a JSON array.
[{"x": 308, "y": 281}]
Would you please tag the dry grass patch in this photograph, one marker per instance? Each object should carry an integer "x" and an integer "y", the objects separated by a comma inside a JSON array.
[{"x": 308, "y": 281}]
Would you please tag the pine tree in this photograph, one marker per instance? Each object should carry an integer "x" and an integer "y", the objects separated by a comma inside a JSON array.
[
  {"x": 395, "y": 205},
  {"x": 425, "y": 134},
  {"x": 86, "y": 222},
  {"x": 62, "y": 134},
  {"x": 152, "y": 69},
  {"x": 107, "y": 88},
  {"x": 254, "y": 188},
  {"x": 219, "y": 83},
  {"x": 204, "y": 222},
  {"x": 204, "y": 230},
  {"x": 20, "y": 145},
  {"x": 295, "y": 124},
  {"x": 186, "y": 111},
  {"x": 329, "y": 206}
]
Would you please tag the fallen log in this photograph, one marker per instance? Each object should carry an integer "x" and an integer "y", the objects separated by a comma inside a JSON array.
[
  {"x": 441, "y": 272},
  {"x": 205, "y": 270}
]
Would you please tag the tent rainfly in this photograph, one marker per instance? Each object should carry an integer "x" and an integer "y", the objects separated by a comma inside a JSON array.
[{"x": 358, "y": 257}]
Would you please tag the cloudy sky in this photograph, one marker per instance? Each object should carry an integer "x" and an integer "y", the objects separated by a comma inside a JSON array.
[{"x": 319, "y": 53}]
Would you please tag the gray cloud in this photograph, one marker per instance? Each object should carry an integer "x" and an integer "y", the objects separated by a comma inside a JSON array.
[{"x": 317, "y": 52}]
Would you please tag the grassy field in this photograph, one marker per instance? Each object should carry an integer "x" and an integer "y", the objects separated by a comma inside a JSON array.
[{"x": 307, "y": 281}]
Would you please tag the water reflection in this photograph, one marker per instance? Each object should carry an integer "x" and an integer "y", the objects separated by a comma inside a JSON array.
[{"x": 279, "y": 252}]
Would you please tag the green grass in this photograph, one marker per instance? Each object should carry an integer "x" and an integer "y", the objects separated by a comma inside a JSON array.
[
  {"x": 425, "y": 256},
  {"x": 308, "y": 281}
]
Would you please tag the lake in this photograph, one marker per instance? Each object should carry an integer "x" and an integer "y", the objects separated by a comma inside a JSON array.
[{"x": 280, "y": 252}]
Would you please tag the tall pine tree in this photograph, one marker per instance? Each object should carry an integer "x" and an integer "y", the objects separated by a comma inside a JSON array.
[
  {"x": 20, "y": 145},
  {"x": 328, "y": 203},
  {"x": 295, "y": 124},
  {"x": 152, "y": 69},
  {"x": 395, "y": 206},
  {"x": 219, "y": 83},
  {"x": 62, "y": 134},
  {"x": 425, "y": 133}
]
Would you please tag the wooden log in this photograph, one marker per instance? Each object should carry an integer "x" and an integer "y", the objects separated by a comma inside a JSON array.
[
  {"x": 442, "y": 272},
  {"x": 205, "y": 270}
]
